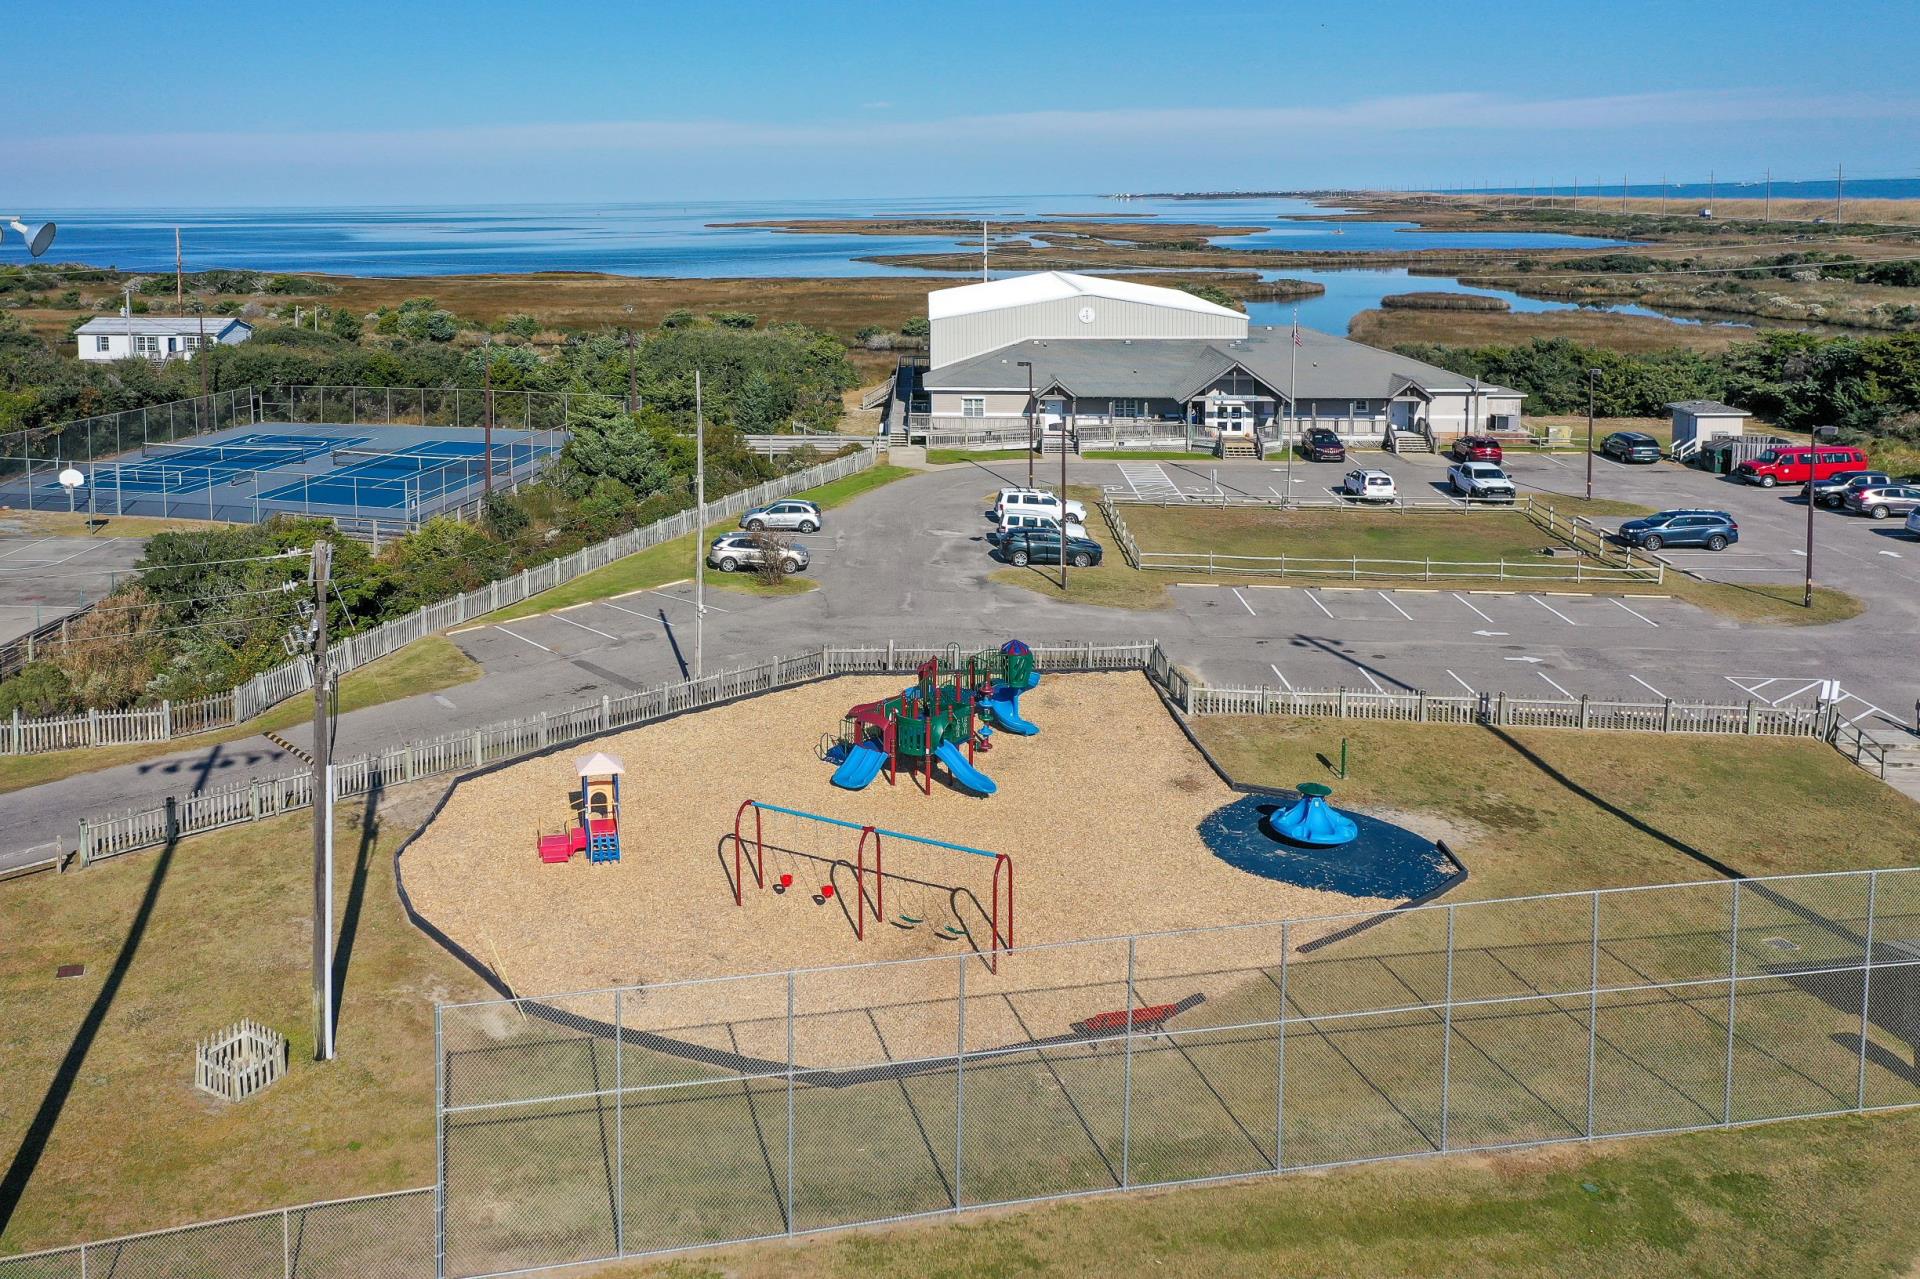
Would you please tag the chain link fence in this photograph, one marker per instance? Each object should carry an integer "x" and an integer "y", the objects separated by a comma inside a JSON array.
[
  {"x": 646, "y": 1119},
  {"x": 374, "y": 1237}
]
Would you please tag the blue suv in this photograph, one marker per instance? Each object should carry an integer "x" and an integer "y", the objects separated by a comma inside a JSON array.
[{"x": 1714, "y": 530}]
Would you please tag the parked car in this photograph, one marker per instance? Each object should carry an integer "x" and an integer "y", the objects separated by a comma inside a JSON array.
[
  {"x": 1366, "y": 485},
  {"x": 792, "y": 513},
  {"x": 1800, "y": 463},
  {"x": 732, "y": 551},
  {"x": 1832, "y": 491},
  {"x": 1630, "y": 446},
  {"x": 1481, "y": 482},
  {"x": 1042, "y": 546},
  {"x": 1322, "y": 445},
  {"x": 1878, "y": 502},
  {"x": 1913, "y": 523},
  {"x": 1475, "y": 448},
  {"x": 1715, "y": 530},
  {"x": 1016, "y": 521},
  {"x": 1035, "y": 502}
]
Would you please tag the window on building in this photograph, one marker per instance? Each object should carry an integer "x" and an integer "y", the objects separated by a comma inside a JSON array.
[
  {"x": 1127, "y": 409},
  {"x": 102, "y": 343},
  {"x": 191, "y": 342},
  {"x": 144, "y": 345},
  {"x": 973, "y": 406}
]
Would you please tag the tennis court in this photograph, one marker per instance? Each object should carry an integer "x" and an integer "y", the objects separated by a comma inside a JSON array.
[{"x": 389, "y": 474}]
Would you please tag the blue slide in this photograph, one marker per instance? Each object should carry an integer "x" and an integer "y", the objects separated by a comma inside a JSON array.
[
  {"x": 966, "y": 774},
  {"x": 861, "y": 766},
  {"x": 1003, "y": 704}
]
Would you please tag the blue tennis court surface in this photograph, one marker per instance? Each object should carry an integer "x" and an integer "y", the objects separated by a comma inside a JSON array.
[
  {"x": 402, "y": 478},
  {"x": 182, "y": 469}
]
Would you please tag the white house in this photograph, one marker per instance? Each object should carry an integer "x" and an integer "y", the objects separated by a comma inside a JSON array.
[
  {"x": 1104, "y": 352},
  {"x": 156, "y": 337}
]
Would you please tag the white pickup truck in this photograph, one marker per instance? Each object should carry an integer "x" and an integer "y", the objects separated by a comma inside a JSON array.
[{"x": 1481, "y": 482}]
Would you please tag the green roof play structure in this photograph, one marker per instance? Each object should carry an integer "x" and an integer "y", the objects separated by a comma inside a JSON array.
[{"x": 939, "y": 717}]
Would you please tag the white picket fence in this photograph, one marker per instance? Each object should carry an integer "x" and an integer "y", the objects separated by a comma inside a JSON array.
[
  {"x": 170, "y": 720},
  {"x": 478, "y": 748}
]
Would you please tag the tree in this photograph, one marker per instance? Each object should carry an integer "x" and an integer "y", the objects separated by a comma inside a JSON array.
[
  {"x": 678, "y": 318},
  {"x": 1215, "y": 294},
  {"x": 733, "y": 319},
  {"x": 918, "y": 327},
  {"x": 345, "y": 324}
]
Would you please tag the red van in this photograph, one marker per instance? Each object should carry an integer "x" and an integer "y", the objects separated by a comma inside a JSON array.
[{"x": 1800, "y": 464}]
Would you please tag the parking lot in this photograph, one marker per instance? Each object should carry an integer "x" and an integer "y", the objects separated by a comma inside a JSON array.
[{"x": 43, "y": 577}]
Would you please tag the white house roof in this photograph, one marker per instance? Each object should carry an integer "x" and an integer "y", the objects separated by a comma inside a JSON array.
[
  {"x": 1052, "y": 286},
  {"x": 161, "y": 325},
  {"x": 598, "y": 765}
]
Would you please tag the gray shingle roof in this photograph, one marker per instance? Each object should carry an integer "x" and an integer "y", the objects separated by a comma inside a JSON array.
[
  {"x": 159, "y": 324},
  {"x": 1707, "y": 408},
  {"x": 1330, "y": 368}
]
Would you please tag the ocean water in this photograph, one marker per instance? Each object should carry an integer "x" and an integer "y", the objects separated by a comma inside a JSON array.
[{"x": 672, "y": 240}]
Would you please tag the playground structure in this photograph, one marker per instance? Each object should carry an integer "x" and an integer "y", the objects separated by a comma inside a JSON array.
[
  {"x": 594, "y": 828},
  {"x": 926, "y": 893},
  {"x": 1313, "y": 822},
  {"x": 939, "y": 717}
]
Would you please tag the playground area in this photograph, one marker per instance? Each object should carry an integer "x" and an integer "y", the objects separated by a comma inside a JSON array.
[
  {"x": 1098, "y": 812},
  {"x": 247, "y": 473}
]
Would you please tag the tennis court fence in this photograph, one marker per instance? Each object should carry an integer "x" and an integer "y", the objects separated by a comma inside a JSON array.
[{"x": 170, "y": 720}]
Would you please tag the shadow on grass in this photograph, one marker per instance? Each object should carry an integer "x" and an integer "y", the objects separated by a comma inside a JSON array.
[
  {"x": 1680, "y": 846},
  {"x": 26, "y": 1159},
  {"x": 356, "y": 900}
]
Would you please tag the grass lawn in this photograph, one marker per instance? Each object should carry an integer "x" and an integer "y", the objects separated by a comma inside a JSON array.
[
  {"x": 950, "y": 457},
  {"x": 1811, "y": 1198},
  {"x": 177, "y": 945},
  {"x": 673, "y": 561},
  {"x": 423, "y": 667},
  {"x": 74, "y": 524}
]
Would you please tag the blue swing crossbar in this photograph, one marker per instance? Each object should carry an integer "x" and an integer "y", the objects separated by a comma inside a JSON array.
[{"x": 881, "y": 830}]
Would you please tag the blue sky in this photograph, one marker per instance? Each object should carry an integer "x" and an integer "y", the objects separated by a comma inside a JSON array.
[{"x": 408, "y": 102}]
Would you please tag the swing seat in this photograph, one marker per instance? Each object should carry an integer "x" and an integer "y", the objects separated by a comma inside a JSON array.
[
  {"x": 904, "y": 920},
  {"x": 949, "y": 933}
]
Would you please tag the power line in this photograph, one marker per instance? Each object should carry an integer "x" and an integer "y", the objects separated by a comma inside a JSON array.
[
  {"x": 199, "y": 599},
  {"x": 290, "y": 553}
]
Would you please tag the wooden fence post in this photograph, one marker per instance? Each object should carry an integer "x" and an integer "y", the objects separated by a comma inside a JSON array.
[
  {"x": 166, "y": 719},
  {"x": 1666, "y": 716},
  {"x": 1753, "y": 718},
  {"x": 1585, "y": 718}
]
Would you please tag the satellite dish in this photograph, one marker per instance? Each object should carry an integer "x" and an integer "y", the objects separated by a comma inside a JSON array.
[
  {"x": 71, "y": 478},
  {"x": 39, "y": 239}
]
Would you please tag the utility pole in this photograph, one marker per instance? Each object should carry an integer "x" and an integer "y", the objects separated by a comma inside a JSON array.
[
  {"x": 1065, "y": 428},
  {"x": 1663, "y": 195},
  {"x": 179, "y": 282},
  {"x": 1839, "y": 192},
  {"x": 126, "y": 292},
  {"x": 1769, "y": 200},
  {"x": 1593, "y": 375},
  {"x": 322, "y": 813},
  {"x": 1623, "y": 195},
  {"x": 1028, "y": 366},
  {"x": 200, "y": 352},
  {"x": 486, "y": 417},
  {"x": 983, "y": 250},
  {"x": 700, "y": 524}
]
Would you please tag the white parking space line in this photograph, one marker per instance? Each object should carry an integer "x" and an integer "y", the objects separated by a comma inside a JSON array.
[
  {"x": 1282, "y": 678},
  {"x": 678, "y": 599},
  {"x": 1243, "y": 602},
  {"x": 562, "y": 617},
  {"x": 645, "y": 617},
  {"x": 523, "y": 639},
  {"x": 1642, "y": 616},
  {"x": 1787, "y": 697},
  {"x": 1395, "y": 607},
  {"x": 1149, "y": 479},
  {"x": 1463, "y": 684},
  {"x": 1551, "y": 609},
  {"x": 1317, "y": 604},
  {"x": 1469, "y": 603},
  {"x": 1563, "y": 692},
  {"x": 1643, "y": 684},
  {"x": 1378, "y": 687},
  {"x": 24, "y": 546}
]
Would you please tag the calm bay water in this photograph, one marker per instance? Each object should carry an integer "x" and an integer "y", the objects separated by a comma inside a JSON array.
[{"x": 680, "y": 240}]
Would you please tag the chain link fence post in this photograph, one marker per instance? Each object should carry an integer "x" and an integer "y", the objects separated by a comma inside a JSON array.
[
  {"x": 787, "y": 1206},
  {"x": 1126, "y": 1076},
  {"x": 619, "y": 1125},
  {"x": 1866, "y": 988},
  {"x": 1280, "y": 1058},
  {"x": 1446, "y": 1038},
  {"x": 1733, "y": 987},
  {"x": 1593, "y": 1009},
  {"x": 960, "y": 1081}
]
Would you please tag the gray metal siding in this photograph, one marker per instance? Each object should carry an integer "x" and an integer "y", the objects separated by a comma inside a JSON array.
[{"x": 962, "y": 336}]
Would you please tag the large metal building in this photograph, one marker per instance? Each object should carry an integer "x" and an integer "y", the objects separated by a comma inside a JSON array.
[{"x": 976, "y": 318}]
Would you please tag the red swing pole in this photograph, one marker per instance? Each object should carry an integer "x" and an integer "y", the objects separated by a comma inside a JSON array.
[{"x": 760, "y": 854}]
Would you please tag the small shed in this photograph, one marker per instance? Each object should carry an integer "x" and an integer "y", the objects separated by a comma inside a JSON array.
[{"x": 1697, "y": 421}]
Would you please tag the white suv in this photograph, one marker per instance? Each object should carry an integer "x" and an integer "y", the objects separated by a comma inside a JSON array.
[
  {"x": 1481, "y": 482},
  {"x": 1366, "y": 485},
  {"x": 1034, "y": 502}
]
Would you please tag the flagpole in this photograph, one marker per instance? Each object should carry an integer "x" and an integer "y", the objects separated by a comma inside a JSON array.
[{"x": 1293, "y": 402}]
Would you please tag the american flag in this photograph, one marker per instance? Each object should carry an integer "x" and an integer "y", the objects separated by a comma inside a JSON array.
[{"x": 1296, "y": 337}]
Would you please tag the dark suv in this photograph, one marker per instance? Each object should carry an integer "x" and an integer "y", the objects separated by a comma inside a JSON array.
[
  {"x": 1042, "y": 546},
  {"x": 1714, "y": 530},
  {"x": 1630, "y": 446},
  {"x": 1322, "y": 445},
  {"x": 1832, "y": 491}
]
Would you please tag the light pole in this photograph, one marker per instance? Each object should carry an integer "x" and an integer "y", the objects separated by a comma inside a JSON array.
[
  {"x": 1813, "y": 468},
  {"x": 1028, "y": 366},
  {"x": 1593, "y": 375},
  {"x": 1063, "y": 506}
]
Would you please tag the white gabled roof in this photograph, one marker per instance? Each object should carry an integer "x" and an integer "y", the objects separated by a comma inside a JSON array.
[
  {"x": 165, "y": 325},
  {"x": 598, "y": 765},
  {"x": 1051, "y": 286}
]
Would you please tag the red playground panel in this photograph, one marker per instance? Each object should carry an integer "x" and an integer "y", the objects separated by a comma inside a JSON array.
[
  {"x": 555, "y": 849},
  {"x": 1148, "y": 1018}
]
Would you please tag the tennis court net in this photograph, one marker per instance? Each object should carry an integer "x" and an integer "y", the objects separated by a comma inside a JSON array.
[{"x": 262, "y": 456}]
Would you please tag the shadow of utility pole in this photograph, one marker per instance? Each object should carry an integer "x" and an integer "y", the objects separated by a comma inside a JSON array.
[
  {"x": 20, "y": 1170},
  {"x": 356, "y": 900}
]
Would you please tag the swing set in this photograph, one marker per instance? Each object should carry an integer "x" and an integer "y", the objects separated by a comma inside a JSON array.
[{"x": 920, "y": 901}]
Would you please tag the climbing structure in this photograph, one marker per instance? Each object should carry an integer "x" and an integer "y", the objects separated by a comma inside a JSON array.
[
  {"x": 947, "y": 715},
  {"x": 595, "y": 825}
]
